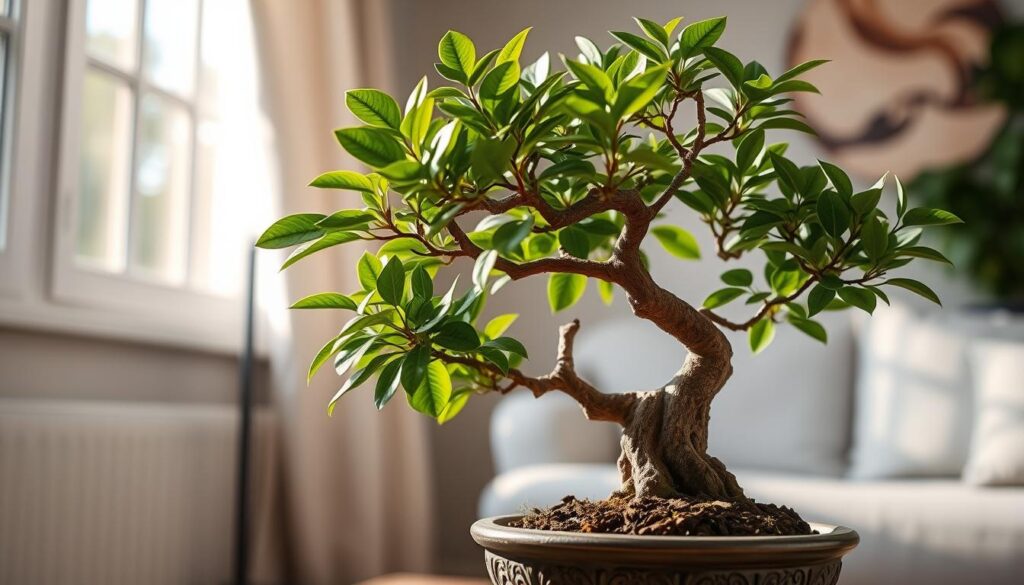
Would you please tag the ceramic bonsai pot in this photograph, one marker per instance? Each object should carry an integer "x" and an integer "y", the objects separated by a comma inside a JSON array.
[{"x": 517, "y": 556}]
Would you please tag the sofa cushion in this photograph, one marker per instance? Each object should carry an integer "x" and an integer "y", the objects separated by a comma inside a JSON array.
[
  {"x": 997, "y": 443},
  {"x": 913, "y": 399},
  {"x": 914, "y": 404},
  {"x": 935, "y": 531}
]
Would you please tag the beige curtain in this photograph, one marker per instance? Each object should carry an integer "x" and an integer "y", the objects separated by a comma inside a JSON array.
[{"x": 357, "y": 486}]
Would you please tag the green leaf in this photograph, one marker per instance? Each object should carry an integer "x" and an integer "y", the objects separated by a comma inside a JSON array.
[
  {"x": 818, "y": 299},
  {"x": 801, "y": 68},
  {"x": 677, "y": 241},
  {"x": 483, "y": 266},
  {"x": 457, "y": 51},
  {"x": 454, "y": 406},
  {"x": 589, "y": 50},
  {"x": 346, "y": 219},
  {"x": 434, "y": 391},
  {"x": 761, "y": 335},
  {"x": 592, "y": 77},
  {"x": 636, "y": 93},
  {"x": 508, "y": 344},
  {"x": 574, "y": 241},
  {"x": 925, "y": 216},
  {"x": 509, "y": 236},
  {"x": 606, "y": 291},
  {"x": 840, "y": 180},
  {"x": 738, "y": 277},
  {"x": 513, "y": 48},
  {"x": 723, "y": 297},
  {"x": 787, "y": 124},
  {"x": 374, "y": 107},
  {"x": 496, "y": 357},
  {"x": 391, "y": 282},
  {"x": 924, "y": 252},
  {"x": 641, "y": 45},
  {"x": 422, "y": 284},
  {"x": 343, "y": 180},
  {"x": 812, "y": 328},
  {"x": 491, "y": 158},
  {"x": 357, "y": 379},
  {"x": 749, "y": 149},
  {"x": 457, "y": 336},
  {"x": 325, "y": 300},
  {"x": 570, "y": 167},
  {"x": 832, "y": 282},
  {"x": 387, "y": 383},
  {"x": 481, "y": 68},
  {"x": 653, "y": 30},
  {"x": 874, "y": 238},
  {"x": 373, "y": 146},
  {"x": 564, "y": 290},
  {"x": 832, "y": 214},
  {"x": 730, "y": 66},
  {"x": 702, "y": 34},
  {"x": 916, "y": 287},
  {"x": 415, "y": 367},
  {"x": 858, "y": 297},
  {"x": 368, "y": 269},
  {"x": 291, "y": 230},
  {"x": 499, "y": 80},
  {"x": 787, "y": 172},
  {"x": 326, "y": 352},
  {"x": 326, "y": 241},
  {"x": 865, "y": 201},
  {"x": 417, "y": 123},
  {"x": 901, "y": 198},
  {"x": 498, "y": 325}
]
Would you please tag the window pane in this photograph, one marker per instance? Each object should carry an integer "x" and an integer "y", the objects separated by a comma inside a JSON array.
[
  {"x": 234, "y": 140},
  {"x": 110, "y": 30},
  {"x": 104, "y": 171},
  {"x": 170, "y": 50},
  {"x": 163, "y": 180}
]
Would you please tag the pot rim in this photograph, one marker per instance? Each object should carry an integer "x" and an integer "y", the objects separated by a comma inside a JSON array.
[{"x": 831, "y": 544}]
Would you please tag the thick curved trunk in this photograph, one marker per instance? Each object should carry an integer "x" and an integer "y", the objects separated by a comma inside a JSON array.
[{"x": 665, "y": 436}]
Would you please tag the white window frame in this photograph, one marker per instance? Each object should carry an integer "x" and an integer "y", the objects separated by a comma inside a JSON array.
[
  {"x": 10, "y": 235},
  {"x": 41, "y": 285}
]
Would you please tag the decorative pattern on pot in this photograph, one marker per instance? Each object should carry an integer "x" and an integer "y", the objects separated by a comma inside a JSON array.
[{"x": 503, "y": 571}]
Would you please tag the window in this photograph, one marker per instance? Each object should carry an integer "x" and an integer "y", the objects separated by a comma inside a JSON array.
[
  {"x": 8, "y": 44},
  {"x": 165, "y": 162}
]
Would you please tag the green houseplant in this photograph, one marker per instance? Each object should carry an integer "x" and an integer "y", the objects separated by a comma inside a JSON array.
[
  {"x": 989, "y": 192},
  {"x": 526, "y": 171}
]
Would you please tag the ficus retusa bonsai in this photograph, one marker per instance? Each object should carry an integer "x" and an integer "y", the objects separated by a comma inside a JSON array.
[{"x": 527, "y": 171}]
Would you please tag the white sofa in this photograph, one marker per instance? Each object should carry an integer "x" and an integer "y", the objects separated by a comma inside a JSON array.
[{"x": 783, "y": 425}]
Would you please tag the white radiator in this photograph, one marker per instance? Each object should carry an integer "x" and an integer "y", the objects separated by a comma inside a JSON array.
[{"x": 121, "y": 494}]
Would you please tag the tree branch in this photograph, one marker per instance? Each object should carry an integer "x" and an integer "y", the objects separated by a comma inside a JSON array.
[
  {"x": 765, "y": 308},
  {"x": 516, "y": 270},
  {"x": 596, "y": 405}
]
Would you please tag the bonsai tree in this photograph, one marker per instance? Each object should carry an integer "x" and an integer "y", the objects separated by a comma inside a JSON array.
[{"x": 531, "y": 172}]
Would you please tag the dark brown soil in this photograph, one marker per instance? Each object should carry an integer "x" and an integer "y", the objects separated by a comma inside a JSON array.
[{"x": 666, "y": 517}]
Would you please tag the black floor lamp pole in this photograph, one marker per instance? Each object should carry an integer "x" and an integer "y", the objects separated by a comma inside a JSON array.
[{"x": 241, "y": 557}]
